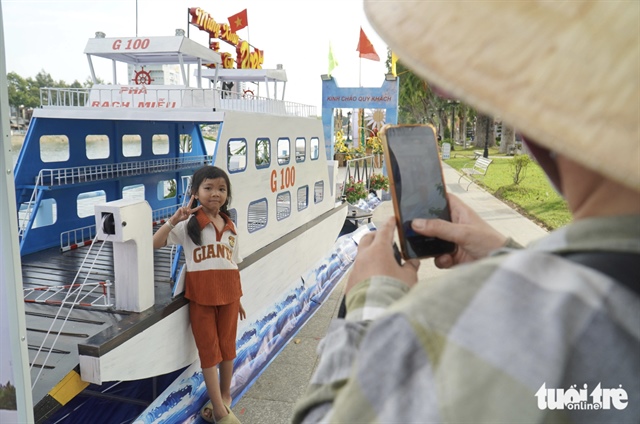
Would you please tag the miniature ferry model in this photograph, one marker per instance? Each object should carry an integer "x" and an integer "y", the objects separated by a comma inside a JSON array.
[{"x": 121, "y": 320}]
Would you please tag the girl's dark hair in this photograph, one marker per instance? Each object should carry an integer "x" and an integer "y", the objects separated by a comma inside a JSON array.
[{"x": 207, "y": 172}]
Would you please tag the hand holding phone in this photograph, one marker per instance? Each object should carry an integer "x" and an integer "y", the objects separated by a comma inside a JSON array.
[
  {"x": 474, "y": 237},
  {"x": 417, "y": 186}
]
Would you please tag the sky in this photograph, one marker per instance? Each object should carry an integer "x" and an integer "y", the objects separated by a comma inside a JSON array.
[{"x": 51, "y": 35}]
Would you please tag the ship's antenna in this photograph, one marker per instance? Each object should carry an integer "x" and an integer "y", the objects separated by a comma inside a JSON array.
[{"x": 136, "y": 18}]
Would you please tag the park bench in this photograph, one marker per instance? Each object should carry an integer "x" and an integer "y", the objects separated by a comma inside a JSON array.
[{"x": 475, "y": 172}]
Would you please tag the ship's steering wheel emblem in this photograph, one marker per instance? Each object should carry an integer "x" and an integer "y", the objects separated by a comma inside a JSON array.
[
  {"x": 142, "y": 77},
  {"x": 248, "y": 94}
]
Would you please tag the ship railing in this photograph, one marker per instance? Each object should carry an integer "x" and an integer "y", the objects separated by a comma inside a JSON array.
[
  {"x": 81, "y": 174},
  {"x": 77, "y": 237},
  {"x": 25, "y": 218},
  {"x": 72, "y": 97},
  {"x": 97, "y": 295},
  {"x": 83, "y": 236},
  {"x": 161, "y": 215},
  {"x": 169, "y": 98}
]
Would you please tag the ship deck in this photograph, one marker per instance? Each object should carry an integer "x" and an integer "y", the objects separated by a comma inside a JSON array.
[{"x": 89, "y": 327}]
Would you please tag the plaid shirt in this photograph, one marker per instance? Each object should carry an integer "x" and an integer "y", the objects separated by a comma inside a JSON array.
[{"x": 486, "y": 342}]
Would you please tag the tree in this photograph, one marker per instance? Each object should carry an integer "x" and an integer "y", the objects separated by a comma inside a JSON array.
[
  {"x": 484, "y": 131},
  {"x": 415, "y": 98},
  {"x": 88, "y": 83},
  {"x": 508, "y": 138},
  {"x": 418, "y": 103},
  {"x": 44, "y": 79},
  {"x": 466, "y": 114},
  {"x": 19, "y": 91}
]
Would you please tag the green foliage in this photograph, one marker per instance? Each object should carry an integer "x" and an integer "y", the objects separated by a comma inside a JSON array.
[
  {"x": 263, "y": 155},
  {"x": 533, "y": 197},
  {"x": 186, "y": 144},
  {"x": 26, "y": 91},
  {"x": 446, "y": 140},
  {"x": 173, "y": 189},
  {"x": 8, "y": 397},
  {"x": 378, "y": 182},
  {"x": 519, "y": 165},
  {"x": 354, "y": 191}
]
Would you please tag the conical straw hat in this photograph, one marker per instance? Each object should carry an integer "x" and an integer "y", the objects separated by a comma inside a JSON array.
[{"x": 564, "y": 73}]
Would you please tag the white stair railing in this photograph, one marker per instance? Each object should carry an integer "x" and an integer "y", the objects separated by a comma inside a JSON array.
[
  {"x": 70, "y": 295},
  {"x": 24, "y": 219}
]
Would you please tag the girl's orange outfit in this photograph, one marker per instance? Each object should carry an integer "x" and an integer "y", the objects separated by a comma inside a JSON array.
[{"x": 212, "y": 287}]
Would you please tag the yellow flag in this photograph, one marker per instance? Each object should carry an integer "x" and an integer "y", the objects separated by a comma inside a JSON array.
[
  {"x": 394, "y": 59},
  {"x": 333, "y": 63}
]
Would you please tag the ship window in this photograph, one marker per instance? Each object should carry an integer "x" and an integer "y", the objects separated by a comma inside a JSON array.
[
  {"x": 318, "y": 191},
  {"x": 186, "y": 143},
  {"x": 210, "y": 135},
  {"x": 131, "y": 145},
  {"x": 283, "y": 205},
  {"x": 86, "y": 202},
  {"x": 160, "y": 144},
  {"x": 301, "y": 149},
  {"x": 133, "y": 192},
  {"x": 257, "y": 216},
  {"x": 233, "y": 216},
  {"x": 167, "y": 189},
  {"x": 315, "y": 148},
  {"x": 54, "y": 148},
  {"x": 237, "y": 155},
  {"x": 47, "y": 214},
  {"x": 97, "y": 146},
  {"x": 284, "y": 147},
  {"x": 303, "y": 197},
  {"x": 263, "y": 153}
]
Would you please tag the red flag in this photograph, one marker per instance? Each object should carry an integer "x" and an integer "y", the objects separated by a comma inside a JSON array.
[
  {"x": 366, "y": 48},
  {"x": 238, "y": 21}
]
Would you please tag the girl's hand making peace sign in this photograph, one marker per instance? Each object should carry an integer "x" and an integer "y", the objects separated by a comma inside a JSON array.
[{"x": 184, "y": 212}]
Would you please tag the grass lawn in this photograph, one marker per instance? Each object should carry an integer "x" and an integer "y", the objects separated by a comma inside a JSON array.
[{"x": 533, "y": 196}]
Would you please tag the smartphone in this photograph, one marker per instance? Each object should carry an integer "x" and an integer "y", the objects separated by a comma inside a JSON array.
[{"x": 417, "y": 186}]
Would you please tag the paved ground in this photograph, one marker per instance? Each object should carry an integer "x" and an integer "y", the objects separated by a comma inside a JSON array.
[{"x": 273, "y": 395}]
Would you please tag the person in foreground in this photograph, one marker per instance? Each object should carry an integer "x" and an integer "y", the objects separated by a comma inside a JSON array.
[
  {"x": 213, "y": 287},
  {"x": 549, "y": 333}
]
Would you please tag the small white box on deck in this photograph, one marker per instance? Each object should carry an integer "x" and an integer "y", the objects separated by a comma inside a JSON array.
[{"x": 127, "y": 224}]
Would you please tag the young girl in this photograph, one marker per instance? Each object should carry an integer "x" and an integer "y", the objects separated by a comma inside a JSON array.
[{"x": 213, "y": 287}]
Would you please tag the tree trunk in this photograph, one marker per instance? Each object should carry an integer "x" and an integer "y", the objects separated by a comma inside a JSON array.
[
  {"x": 462, "y": 115},
  {"x": 442, "y": 114},
  {"x": 485, "y": 132},
  {"x": 508, "y": 141}
]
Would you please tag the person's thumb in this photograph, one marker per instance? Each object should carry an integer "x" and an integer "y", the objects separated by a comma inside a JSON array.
[{"x": 439, "y": 228}]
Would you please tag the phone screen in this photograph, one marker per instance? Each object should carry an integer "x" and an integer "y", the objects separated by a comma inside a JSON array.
[{"x": 417, "y": 186}]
